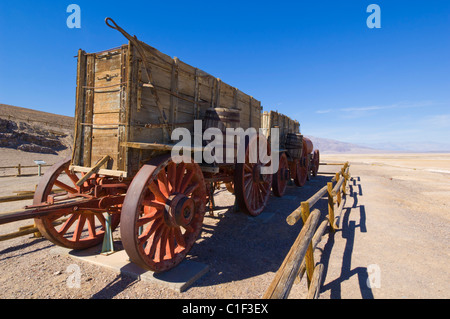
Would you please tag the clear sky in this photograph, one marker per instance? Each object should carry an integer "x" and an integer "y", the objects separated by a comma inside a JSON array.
[{"x": 316, "y": 61}]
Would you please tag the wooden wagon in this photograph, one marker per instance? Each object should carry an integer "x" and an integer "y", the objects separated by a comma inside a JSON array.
[
  {"x": 129, "y": 100},
  {"x": 297, "y": 159}
]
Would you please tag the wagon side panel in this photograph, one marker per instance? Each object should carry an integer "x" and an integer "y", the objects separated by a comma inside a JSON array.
[{"x": 101, "y": 114}]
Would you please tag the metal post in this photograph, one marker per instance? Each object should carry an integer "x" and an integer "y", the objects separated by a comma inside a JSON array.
[{"x": 108, "y": 244}]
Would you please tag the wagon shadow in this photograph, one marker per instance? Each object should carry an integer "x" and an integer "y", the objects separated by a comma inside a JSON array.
[{"x": 237, "y": 246}]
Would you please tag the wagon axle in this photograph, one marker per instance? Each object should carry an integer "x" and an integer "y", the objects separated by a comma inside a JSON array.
[{"x": 179, "y": 211}]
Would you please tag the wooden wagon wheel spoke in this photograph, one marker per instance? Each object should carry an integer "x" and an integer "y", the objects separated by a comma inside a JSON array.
[
  {"x": 163, "y": 183},
  {"x": 68, "y": 223},
  {"x": 170, "y": 245},
  {"x": 259, "y": 196},
  {"x": 91, "y": 225},
  {"x": 66, "y": 187},
  {"x": 79, "y": 228},
  {"x": 180, "y": 172},
  {"x": 101, "y": 219},
  {"x": 162, "y": 245},
  {"x": 154, "y": 188},
  {"x": 191, "y": 189},
  {"x": 179, "y": 237},
  {"x": 166, "y": 201},
  {"x": 171, "y": 174},
  {"x": 152, "y": 243},
  {"x": 186, "y": 180},
  {"x": 149, "y": 230},
  {"x": 188, "y": 228},
  {"x": 73, "y": 177}
]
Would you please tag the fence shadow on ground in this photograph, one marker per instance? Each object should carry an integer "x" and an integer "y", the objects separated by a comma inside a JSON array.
[
  {"x": 240, "y": 247},
  {"x": 347, "y": 230}
]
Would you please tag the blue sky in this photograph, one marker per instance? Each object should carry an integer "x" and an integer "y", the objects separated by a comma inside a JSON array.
[{"x": 316, "y": 61}]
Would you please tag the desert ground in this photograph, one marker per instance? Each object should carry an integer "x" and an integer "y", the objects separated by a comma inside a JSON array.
[{"x": 394, "y": 233}]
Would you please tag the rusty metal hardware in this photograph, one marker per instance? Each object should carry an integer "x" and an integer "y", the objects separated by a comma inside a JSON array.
[{"x": 108, "y": 77}]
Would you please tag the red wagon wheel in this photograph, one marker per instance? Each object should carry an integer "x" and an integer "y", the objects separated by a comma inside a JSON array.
[
  {"x": 252, "y": 189},
  {"x": 281, "y": 177},
  {"x": 316, "y": 161},
  {"x": 302, "y": 167},
  {"x": 81, "y": 229},
  {"x": 163, "y": 212}
]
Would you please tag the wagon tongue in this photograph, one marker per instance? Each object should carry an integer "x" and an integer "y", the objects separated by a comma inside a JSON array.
[{"x": 35, "y": 211}]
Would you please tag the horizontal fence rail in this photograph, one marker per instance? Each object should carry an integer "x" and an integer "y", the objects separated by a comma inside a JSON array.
[
  {"x": 300, "y": 258},
  {"x": 19, "y": 169}
]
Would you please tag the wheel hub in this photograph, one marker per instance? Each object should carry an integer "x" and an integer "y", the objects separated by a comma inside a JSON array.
[{"x": 179, "y": 210}]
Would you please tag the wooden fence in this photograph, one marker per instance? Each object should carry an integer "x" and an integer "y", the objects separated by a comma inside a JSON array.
[
  {"x": 19, "y": 169},
  {"x": 300, "y": 258}
]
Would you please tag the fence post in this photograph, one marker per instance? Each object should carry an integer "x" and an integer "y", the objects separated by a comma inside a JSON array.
[
  {"x": 330, "y": 205},
  {"x": 19, "y": 170},
  {"x": 338, "y": 193},
  {"x": 285, "y": 276},
  {"x": 314, "y": 289},
  {"x": 309, "y": 257}
]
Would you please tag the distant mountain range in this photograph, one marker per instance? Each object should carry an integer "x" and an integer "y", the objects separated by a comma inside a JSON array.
[{"x": 330, "y": 146}]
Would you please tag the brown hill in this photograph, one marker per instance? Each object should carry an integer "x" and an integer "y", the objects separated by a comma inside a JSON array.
[{"x": 25, "y": 131}]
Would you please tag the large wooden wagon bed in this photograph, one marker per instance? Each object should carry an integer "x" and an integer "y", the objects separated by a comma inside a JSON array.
[{"x": 129, "y": 100}]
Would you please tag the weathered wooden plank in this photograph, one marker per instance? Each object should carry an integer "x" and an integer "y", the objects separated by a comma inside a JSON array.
[
  {"x": 314, "y": 288},
  {"x": 79, "y": 108},
  {"x": 88, "y": 111},
  {"x": 101, "y": 171},
  {"x": 285, "y": 276},
  {"x": 315, "y": 241},
  {"x": 297, "y": 213}
]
